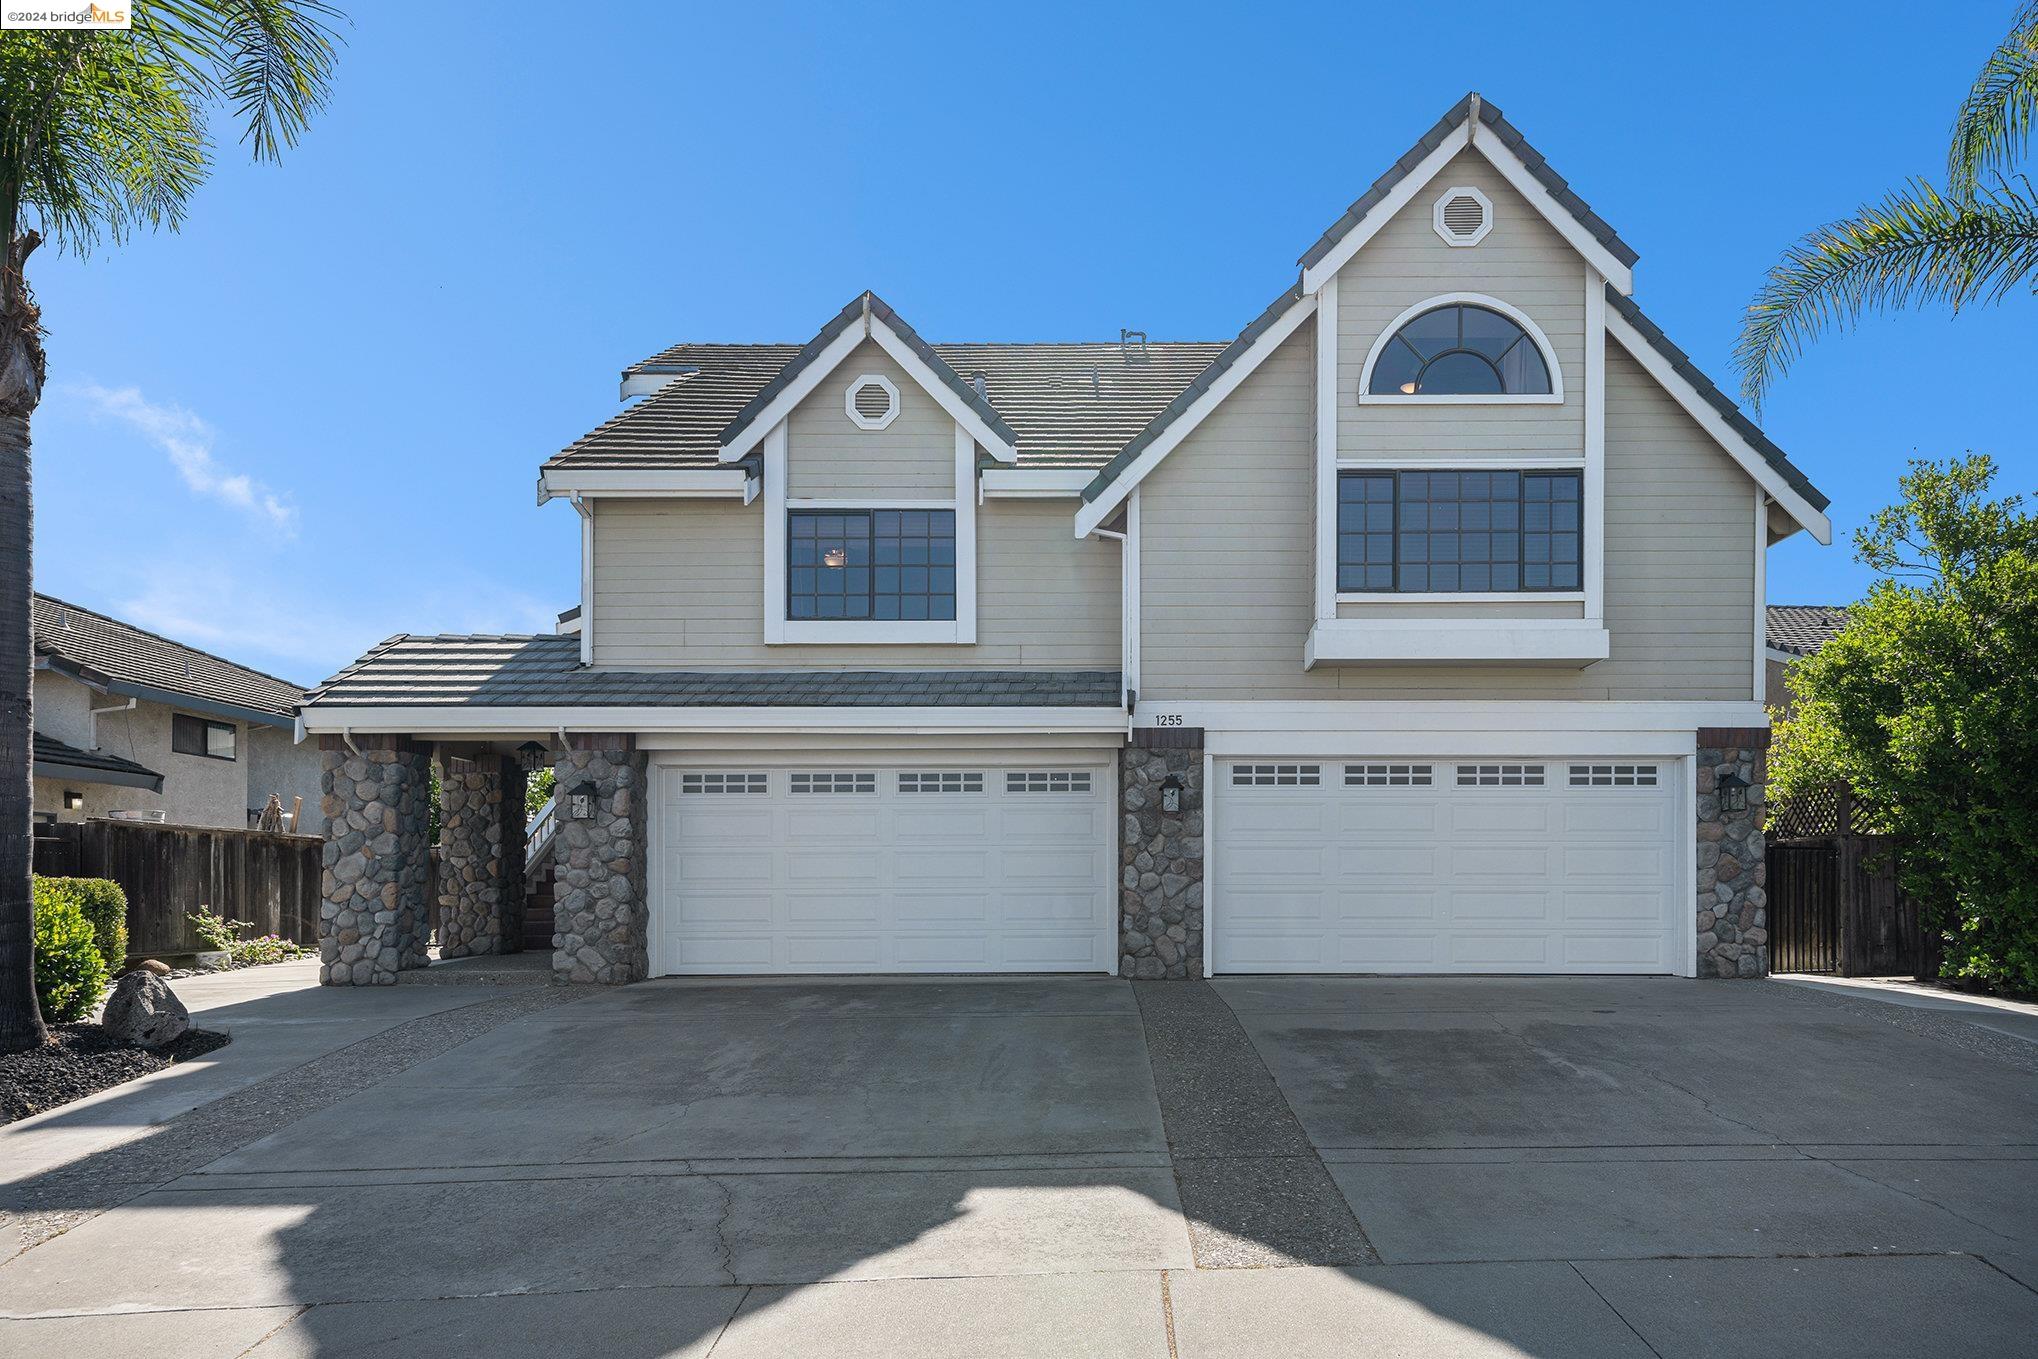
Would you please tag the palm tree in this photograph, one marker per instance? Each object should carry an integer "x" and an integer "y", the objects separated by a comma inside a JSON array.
[
  {"x": 1976, "y": 242},
  {"x": 102, "y": 134}
]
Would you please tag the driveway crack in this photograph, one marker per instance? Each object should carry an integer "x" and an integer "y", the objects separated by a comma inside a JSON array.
[{"x": 724, "y": 1253}]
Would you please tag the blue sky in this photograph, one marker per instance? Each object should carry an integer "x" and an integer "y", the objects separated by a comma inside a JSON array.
[{"x": 314, "y": 417}]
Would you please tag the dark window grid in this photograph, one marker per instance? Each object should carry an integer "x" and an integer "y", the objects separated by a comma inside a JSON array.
[
  {"x": 1434, "y": 348},
  {"x": 897, "y": 565},
  {"x": 199, "y": 736},
  {"x": 1459, "y": 532}
]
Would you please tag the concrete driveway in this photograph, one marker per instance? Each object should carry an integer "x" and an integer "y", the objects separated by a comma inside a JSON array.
[{"x": 1047, "y": 1167}]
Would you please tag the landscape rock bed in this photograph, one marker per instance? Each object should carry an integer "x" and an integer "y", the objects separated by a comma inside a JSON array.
[{"x": 81, "y": 1059}]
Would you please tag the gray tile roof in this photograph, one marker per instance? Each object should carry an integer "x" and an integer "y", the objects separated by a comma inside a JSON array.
[
  {"x": 1715, "y": 398},
  {"x": 59, "y": 759},
  {"x": 101, "y": 649},
  {"x": 545, "y": 671},
  {"x": 1071, "y": 405},
  {"x": 1511, "y": 138},
  {"x": 1802, "y": 629}
]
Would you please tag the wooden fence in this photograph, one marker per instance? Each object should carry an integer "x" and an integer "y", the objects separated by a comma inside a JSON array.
[
  {"x": 1834, "y": 902},
  {"x": 267, "y": 879}
]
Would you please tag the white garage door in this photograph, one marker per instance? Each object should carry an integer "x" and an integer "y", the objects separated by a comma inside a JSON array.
[
  {"x": 1447, "y": 866},
  {"x": 883, "y": 867}
]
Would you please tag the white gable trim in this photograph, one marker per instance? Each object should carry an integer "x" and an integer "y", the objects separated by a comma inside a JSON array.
[
  {"x": 829, "y": 359},
  {"x": 1510, "y": 168},
  {"x": 1806, "y": 515},
  {"x": 1093, "y": 514}
]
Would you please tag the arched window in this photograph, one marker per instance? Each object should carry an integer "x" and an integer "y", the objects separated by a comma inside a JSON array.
[{"x": 1460, "y": 349}]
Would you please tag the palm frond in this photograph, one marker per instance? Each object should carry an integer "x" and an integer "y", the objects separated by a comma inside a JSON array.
[
  {"x": 272, "y": 60},
  {"x": 1915, "y": 248},
  {"x": 1996, "y": 117}
]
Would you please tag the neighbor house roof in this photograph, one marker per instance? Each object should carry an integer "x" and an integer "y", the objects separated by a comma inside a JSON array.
[
  {"x": 1802, "y": 629},
  {"x": 1068, "y": 405},
  {"x": 133, "y": 663},
  {"x": 544, "y": 671},
  {"x": 56, "y": 759},
  {"x": 1510, "y": 137}
]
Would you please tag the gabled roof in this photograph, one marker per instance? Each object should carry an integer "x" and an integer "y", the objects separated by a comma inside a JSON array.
[
  {"x": 544, "y": 671},
  {"x": 1072, "y": 405},
  {"x": 1802, "y": 629},
  {"x": 819, "y": 355},
  {"x": 1510, "y": 137},
  {"x": 54, "y": 759},
  {"x": 126, "y": 660},
  {"x": 1681, "y": 364}
]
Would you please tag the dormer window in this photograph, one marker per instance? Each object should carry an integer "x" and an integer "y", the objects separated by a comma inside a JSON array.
[
  {"x": 1462, "y": 350},
  {"x": 884, "y": 565}
]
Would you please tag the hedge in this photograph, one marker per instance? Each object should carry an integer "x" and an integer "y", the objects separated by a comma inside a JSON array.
[
  {"x": 70, "y": 976},
  {"x": 105, "y": 908}
]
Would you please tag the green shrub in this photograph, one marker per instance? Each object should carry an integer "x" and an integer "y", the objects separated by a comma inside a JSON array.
[
  {"x": 217, "y": 933},
  {"x": 267, "y": 948},
  {"x": 70, "y": 976},
  {"x": 105, "y": 908}
]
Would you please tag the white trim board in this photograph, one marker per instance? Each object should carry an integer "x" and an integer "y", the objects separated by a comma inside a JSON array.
[
  {"x": 872, "y": 327},
  {"x": 704, "y": 482},
  {"x": 1365, "y": 717},
  {"x": 1272, "y": 338},
  {"x": 1569, "y": 642},
  {"x": 1700, "y": 410},
  {"x": 1511, "y": 168},
  {"x": 435, "y": 721}
]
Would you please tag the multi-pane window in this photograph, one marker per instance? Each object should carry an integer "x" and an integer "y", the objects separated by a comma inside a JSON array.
[
  {"x": 1500, "y": 776},
  {"x": 834, "y": 783},
  {"x": 1613, "y": 776},
  {"x": 870, "y": 564},
  {"x": 1457, "y": 532},
  {"x": 1047, "y": 781},
  {"x": 719, "y": 783},
  {"x": 1276, "y": 775},
  {"x": 197, "y": 736},
  {"x": 1388, "y": 775},
  {"x": 942, "y": 781},
  {"x": 1461, "y": 350}
]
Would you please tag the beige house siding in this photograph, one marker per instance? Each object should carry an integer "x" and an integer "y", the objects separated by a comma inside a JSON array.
[
  {"x": 679, "y": 584},
  {"x": 1226, "y": 571},
  {"x": 1522, "y": 262},
  {"x": 830, "y": 457}
]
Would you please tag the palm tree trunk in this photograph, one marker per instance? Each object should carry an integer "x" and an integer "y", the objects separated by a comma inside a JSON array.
[{"x": 21, "y": 371}]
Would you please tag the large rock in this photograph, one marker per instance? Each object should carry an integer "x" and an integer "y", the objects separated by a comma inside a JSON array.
[{"x": 143, "y": 1009}]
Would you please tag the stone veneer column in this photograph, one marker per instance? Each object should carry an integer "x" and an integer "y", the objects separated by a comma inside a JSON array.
[
  {"x": 481, "y": 854},
  {"x": 1160, "y": 856},
  {"x": 372, "y": 919},
  {"x": 599, "y": 908},
  {"x": 1733, "y": 900}
]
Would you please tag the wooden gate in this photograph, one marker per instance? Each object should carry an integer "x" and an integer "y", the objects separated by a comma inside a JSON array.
[
  {"x": 1834, "y": 902},
  {"x": 269, "y": 880}
]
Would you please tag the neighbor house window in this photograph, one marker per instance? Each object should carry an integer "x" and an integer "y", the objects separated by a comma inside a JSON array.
[
  {"x": 197, "y": 736},
  {"x": 1457, "y": 532},
  {"x": 1460, "y": 350},
  {"x": 878, "y": 564}
]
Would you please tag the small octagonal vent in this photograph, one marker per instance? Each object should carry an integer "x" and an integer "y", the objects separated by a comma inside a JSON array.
[
  {"x": 1463, "y": 216},
  {"x": 871, "y": 401}
]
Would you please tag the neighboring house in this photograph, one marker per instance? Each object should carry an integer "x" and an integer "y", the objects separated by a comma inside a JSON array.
[
  {"x": 1417, "y": 629},
  {"x": 1796, "y": 630},
  {"x": 129, "y": 723}
]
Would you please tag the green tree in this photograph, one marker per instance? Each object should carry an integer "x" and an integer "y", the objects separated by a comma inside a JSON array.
[
  {"x": 1925, "y": 703},
  {"x": 102, "y": 135},
  {"x": 1976, "y": 242}
]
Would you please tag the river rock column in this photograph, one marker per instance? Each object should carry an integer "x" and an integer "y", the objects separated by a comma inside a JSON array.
[
  {"x": 1733, "y": 897},
  {"x": 600, "y": 911},
  {"x": 1160, "y": 856},
  {"x": 481, "y": 854},
  {"x": 376, "y": 865}
]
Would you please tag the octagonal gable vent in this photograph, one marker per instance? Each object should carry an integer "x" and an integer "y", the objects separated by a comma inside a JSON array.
[
  {"x": 871, "y": 401},
  {"x": 1463, "y": 216}
]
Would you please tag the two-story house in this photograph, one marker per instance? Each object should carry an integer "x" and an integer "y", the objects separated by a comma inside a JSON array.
[{"x": 1417, "y": 629}]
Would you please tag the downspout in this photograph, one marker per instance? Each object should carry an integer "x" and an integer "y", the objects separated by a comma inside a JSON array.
[
  {"x": 92, "y": 718},
  {"x": 1125, "y": 621}
]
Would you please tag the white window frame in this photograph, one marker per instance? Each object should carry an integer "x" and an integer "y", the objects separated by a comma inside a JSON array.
[
  {"x": 782, "y": 631},
  {"x": 857, "y": 417},
  {"x": 1554, "y": 397},
  {"x": 1586, "y": 531}
]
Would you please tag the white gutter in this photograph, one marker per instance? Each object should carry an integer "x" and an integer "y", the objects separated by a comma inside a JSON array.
[{"x": 454, "y": 720}]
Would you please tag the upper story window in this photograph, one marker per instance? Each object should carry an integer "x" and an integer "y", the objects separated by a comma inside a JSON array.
[
  {"x": 1457, "y": 532},
  {"x": 875, "y": 564},
  {"x": 198, "y": 736},
  {"x": 1460, "y": 349}
]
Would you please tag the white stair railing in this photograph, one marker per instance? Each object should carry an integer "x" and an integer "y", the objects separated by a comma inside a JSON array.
[{"x": 538, "y": 834}]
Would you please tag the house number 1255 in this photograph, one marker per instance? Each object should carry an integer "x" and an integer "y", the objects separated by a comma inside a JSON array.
[{"x": 1167, "y": 719}]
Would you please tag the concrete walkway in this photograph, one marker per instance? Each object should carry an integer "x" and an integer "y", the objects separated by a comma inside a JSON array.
[{"x": 1037, "y": 1166}]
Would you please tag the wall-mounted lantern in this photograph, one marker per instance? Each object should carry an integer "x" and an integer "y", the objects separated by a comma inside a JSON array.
[
  {"x": 1733, "y": 791},
  {"x": 533, "y": 757},
  {"x": 580, "y": 802},
  {"x": 1171, "y": 794}
]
